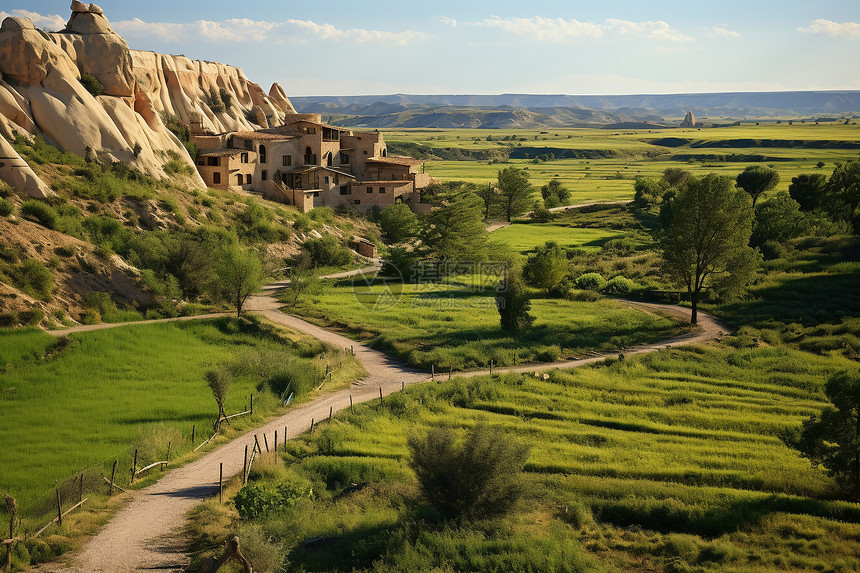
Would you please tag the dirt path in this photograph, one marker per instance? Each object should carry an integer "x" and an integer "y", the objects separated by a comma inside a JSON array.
[{"x": 146, "y": 534}]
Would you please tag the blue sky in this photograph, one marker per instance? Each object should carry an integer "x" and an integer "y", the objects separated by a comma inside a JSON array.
[{"x": 481, "y": 47}]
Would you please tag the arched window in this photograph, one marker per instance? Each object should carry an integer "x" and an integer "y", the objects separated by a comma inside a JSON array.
[
  {"x": 328, "y": 160},
  {"x": 384, "y": 152},
  {"x": 310, "y": 159},
  {"x": 262, "y": 152}
]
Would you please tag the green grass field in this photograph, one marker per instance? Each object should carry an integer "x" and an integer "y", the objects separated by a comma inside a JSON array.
[
  {"x": 456, "y": 325},
  {"x": 525, "y": 237},
  {"x": 81, "y": 402},
  {"x": 668, "y": 462},
  {"x": 614, "y": 158}
]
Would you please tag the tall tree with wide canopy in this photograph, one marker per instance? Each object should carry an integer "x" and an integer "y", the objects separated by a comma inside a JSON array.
[
  {"x": 237, "y": 275},
  {"x": 756, "y": 180},
  {"x": 515, "y": 191},
  {"x": 706, "y": 241}
]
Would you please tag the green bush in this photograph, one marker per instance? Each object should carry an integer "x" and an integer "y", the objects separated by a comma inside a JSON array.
[
  {"x": 35, "y": 279},
  {"x": 92, "y": 84},
  {"x": 591, "y": 281},
  {"x": 479, "y": 477},
  {"x": 327, "y": 251},
  {"x": 255, "y": 501},
  {"x": 620, "y": 285},
  {"x": 6, "y": 208},
  {"x": 40, "y": 212},
  {"x": 297, "y": 377}
]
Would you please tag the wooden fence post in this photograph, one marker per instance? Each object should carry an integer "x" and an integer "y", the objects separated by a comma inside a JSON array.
[
  {"x": 285, "y": 439},
  {"x": 252, "y": 404},
  {"x": 59, "y": 507},
  {"x": 450, "y": 371},
  {"x": 12, "y": 509},
  {"x": 81, "y": 489},
  {"x": 265, "y": 441},
  {"x": 330, "y": 412},
  {"x": 221, "y": 482},
  {"x": 193, "y": 430},
  {"x": 134, "y": 466},
  {"x": 112, "y": 473},
  {"x": 276, "y": 442},
  {"x": 257, "y": 444},
  {"x": 402, "y": 385},
  {"x": 166, "y": 461},
  {"x": 433, "y": 372},
  {"x": 245, "y": 467},
  {"x": 312, "y": 426},
  {"x": 351, "y": 409}
]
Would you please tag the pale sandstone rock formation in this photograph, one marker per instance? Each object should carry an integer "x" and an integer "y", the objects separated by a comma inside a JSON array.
[
  {"x": 43, "y": 94},
  {"x": 689, "y": 120}
]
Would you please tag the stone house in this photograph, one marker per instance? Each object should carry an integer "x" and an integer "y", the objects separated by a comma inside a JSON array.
[{"x": 308, "y": 164}]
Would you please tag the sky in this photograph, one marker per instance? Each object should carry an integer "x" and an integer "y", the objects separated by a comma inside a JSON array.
[{"x": 490, "y": 47}]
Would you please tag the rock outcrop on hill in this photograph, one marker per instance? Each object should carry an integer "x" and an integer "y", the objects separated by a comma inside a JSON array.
[
  {"x": 689, "y": 120},
  {"x": 41, "y": 92}
]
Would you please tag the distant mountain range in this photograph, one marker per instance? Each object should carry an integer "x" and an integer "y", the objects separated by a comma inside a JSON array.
[{"x": 533, "y": 111}]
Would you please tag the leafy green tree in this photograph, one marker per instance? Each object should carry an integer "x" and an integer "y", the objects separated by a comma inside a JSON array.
[
  {"x": 398, "y": 223},
  {"x": 832, "y": 438},
  {"x": 479, "y": 477},
  {"x": 327, "y": 251},
  {"x": 513, "y": 302},
  {"x": 675, "y": 177},
  {"x": 648, "y": 191},
  {"x": 515, "y": 191},
  {"x": 219, "y": 382},
  {"x": 843, "y": 194},
  {"x": 554, "y": 193},
  {"x": 456, "y": 231},
  {"x": 808, "y": 189},
  {"x": 190, "y": 261},
  {"x": 547, "y": 267},
  {"x": 778, "y": 219},
  {"x": 756, "y": 180},
  {"x": 706, "y": 242},
  {"x": 238, "y": 274}
]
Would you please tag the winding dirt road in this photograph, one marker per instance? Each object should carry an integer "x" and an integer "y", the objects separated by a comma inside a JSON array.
[{"x": 146, "y": 534}]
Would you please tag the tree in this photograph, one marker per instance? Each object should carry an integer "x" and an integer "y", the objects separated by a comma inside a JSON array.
[
  {"x": 843, "y": 194},
  {"x": 675, "y": 177},
  {"x": 706, "y": 242},
  {"x": 398, "y": 223},
  {"x": 515, "y": 191},
  {"x": 479, "y": 477},
  {"x": 808, "y": 190},
  {"x": 832, "y": 438},
  {"x": 513, "y": 302},
  {"x": 779, "y": 219},
  {"x": 238, "y": 273},
  {"x": 555, "y": 192},
  {"x": 647, "y": 192},
  {"x": 547, "y": 267},
  {"x": 219, "y": 382},
  {"x": 301, "y": 276},
  {"x": 456, "y": 232},
  {"x": 756, "y": 180}
]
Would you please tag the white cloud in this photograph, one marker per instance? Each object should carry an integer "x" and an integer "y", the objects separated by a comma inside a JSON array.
[
  {"x": 658, "y": 30},
  {"x": 717, "y": 32},
  {"x": 559, "y": 30},
  {"x": 822, "y": 26},
  {"x": 449, "y": 21},
  {"x": 545, "y": 29},
  {"x": 50, "y": 22},
  {"x": 234, "y": 30},
  {"x": 245, "y": 30},
  {"x": 360, "y": 35}
]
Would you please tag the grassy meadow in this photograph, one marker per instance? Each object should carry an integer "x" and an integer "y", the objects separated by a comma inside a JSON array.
[
  {"x": 79, "y": 402},
  {"x": 455, "y": 324},
  {"x": 666, "y": 462},
  {"x": 610, "y": 160}
]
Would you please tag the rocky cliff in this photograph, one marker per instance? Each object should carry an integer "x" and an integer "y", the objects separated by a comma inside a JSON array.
[{"x": 119, "y": 116}]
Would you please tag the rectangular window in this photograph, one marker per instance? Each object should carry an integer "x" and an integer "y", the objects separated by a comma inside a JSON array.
[
  {"x": 357, "y": 202},
  {"x": 382, "y": 189},
  {"x": 365, "y": 152},
  {"x": 244, "y": 158},
  {"x": 264, "y": 175},
  {"x": 326, "y": 179},
  {"x": 344, "y": 158},
  {"x": 344, "y": 190},
  {"x": 248, "y": 179},
  {"x": 201, "y": 161},
  {"x": 370, "y": 189},
  {"x": 216, "y": 178},
  {"x": 358, "y": 138},
  {"x": 288, "y": 160},
  {"x": 213, "y": 161}
]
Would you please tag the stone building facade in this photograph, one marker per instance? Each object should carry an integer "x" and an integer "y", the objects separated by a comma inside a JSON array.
[{"x": 308, "y": 164}]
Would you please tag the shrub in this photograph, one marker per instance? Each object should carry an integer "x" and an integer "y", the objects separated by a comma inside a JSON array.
[
  {"x": 92, "y": 84},
  {"x": 6, "y": 208},
  {"x": 255, "y": 501},
  {"x": 35, "y": 279},
  {"x": 591, "y": 281},
  {"x": 40, "y": 212},
  {"x": 327, "y": 251},
  {"x": 216, "y": 104},
  {"x": 620, "y": 285},
  {"x": 477, "y": 478}
]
